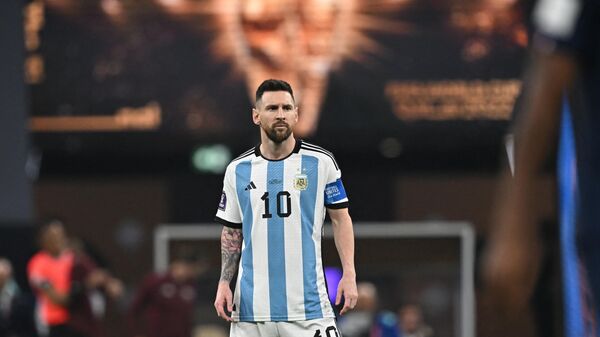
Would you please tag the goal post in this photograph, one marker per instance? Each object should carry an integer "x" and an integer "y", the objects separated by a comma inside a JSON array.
[{"x": 425, "y": 233}]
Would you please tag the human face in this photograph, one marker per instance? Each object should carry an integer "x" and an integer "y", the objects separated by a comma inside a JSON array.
[
  {"x": 301, "y": 41},
  {"x": 276, "y": 114},
  {"x": 410, "y": 319},
  {"x": 54, "y": 238},
  {"x": 292, "y": 39}
]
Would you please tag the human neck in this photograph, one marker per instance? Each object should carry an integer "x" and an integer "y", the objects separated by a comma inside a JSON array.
[
  {"x": 55, "y": 253},
  {"x": 276, "y": 151}
]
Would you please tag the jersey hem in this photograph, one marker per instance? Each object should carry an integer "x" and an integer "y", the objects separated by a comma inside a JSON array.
[{"x": 282, "y": 318}]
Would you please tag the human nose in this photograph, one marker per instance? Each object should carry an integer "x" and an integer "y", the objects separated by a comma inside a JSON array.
[{"x": 280, "y": 113}]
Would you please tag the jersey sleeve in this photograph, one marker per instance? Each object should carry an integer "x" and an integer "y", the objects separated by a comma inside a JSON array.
[
  {"x": 565, "y": 25},
  {"x": 335, "y": 193},
  {"x": 228, "y": 212},
  {"x": 35, "y": 273}
]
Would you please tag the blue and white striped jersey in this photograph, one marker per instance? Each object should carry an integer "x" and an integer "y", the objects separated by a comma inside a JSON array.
[{"x": 280, "y": 207}]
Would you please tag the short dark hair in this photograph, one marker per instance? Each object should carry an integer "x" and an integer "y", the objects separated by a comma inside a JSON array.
[
  {"x": 273, "y": 85},
  {"x": 45, "y": 225}
]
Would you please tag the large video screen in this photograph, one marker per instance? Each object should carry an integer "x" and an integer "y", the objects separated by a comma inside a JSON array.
[{"x": 169, "y": 73}]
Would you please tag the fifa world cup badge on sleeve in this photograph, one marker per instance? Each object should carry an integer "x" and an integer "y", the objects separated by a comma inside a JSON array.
[
  {"x": 223, "y": 202},
  {"x": 301, "y": 182}
]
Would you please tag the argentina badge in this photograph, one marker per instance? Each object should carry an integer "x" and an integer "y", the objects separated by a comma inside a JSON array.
[{"x": 301, "y": 182}]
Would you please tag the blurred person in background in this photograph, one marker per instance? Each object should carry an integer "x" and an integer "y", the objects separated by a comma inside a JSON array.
[
  {"x": 566, "y": 59},
  {"x": 365, "y": 320},
  {"x": 272, "y": 208},
  {"x": 16, "y": 308},
  {"x": 49, "y": 273},
  {"x": 358, "y": 323},
  {"x": 411, "y": 322},
  {"x": 9, "y": 290},
  {"x": 90, "y": 285},
  {"x": 164, "y": 304}
]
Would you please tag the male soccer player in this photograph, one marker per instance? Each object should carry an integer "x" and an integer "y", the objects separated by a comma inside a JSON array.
[
  {"x": 566, "y": 61},
  {"x": 49, "y": 273},
  {"x": 272, "y": 208}
]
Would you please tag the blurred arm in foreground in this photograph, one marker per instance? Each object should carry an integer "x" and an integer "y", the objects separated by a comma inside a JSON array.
[{"x": 512, "y": 259}]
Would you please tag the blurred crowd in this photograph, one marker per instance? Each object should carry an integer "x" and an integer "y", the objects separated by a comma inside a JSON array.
[
  {"x": 71, "y": 291},
  {"x": 369, "y": 320}
]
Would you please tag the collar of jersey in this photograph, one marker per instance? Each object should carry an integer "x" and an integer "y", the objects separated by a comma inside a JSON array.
[{"x": 295, "y": 150}]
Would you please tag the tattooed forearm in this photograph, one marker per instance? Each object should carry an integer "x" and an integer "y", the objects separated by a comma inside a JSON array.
[{"x": 231, "y": 247}]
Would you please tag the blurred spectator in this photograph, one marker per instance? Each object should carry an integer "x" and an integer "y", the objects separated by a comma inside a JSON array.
[
  {"x": 89, "y": 285},
  {"x": 411, "y": 322},
  {"x": 164, "y": 304},
  {"x": 358, "y": 323},
  {"x": 386, "y": 325},
  {"x": 16, "y": 307},
  {"x": 49, "y": 273},
  {"x": 365, "y": 321},
  {"x": 8, "y": 291}
]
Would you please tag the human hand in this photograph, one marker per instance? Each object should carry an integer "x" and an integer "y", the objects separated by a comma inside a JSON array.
[
  {"x": 224, "y": 301},
  {"x": 347, "y": 289},
  {"x": 96, "y": 278},
  {"x": 114, "y": 288}
]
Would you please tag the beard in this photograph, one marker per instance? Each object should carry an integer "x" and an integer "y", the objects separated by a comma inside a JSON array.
[{"x": 278, "y": 136}]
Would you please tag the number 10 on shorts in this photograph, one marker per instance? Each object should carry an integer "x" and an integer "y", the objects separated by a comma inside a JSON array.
[{"x": 329, "y": 332}]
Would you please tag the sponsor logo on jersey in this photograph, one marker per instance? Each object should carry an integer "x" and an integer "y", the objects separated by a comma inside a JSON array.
[{"x": 275, "y": 181}]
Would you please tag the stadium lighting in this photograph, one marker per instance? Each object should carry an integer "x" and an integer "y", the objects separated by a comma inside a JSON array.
[{"x": 211, "y": 158}]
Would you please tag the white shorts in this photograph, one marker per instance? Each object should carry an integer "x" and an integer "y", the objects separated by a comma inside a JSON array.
[{"x": 322, "y": 327}]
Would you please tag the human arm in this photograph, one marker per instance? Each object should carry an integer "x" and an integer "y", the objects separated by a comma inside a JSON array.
[
  {"x": 87, "y": 276},
  {"x": 343, "y": 235},
  {"x": 231, "y": 248},
  {"x": 114, "y": 287},
  {"x": 40, "y": 281},
  {"x": 512, "y": 259},
  {"x": 55, "y": 296}
]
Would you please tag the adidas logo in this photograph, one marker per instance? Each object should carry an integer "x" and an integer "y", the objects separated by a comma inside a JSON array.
[{"x": 250, "y": 186}]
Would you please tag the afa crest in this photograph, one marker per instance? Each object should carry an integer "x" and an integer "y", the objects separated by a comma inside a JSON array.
[{"x": 301, "y": 182}]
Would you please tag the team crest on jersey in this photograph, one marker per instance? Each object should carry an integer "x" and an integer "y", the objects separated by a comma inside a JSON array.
[{"x": 301, "y": 182}]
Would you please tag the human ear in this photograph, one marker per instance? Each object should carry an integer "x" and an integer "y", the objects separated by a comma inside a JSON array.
[{"x": 255, "y": 116}]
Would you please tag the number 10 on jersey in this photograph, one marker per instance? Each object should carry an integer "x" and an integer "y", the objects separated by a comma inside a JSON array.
[{"x": 284, "y": 204}]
